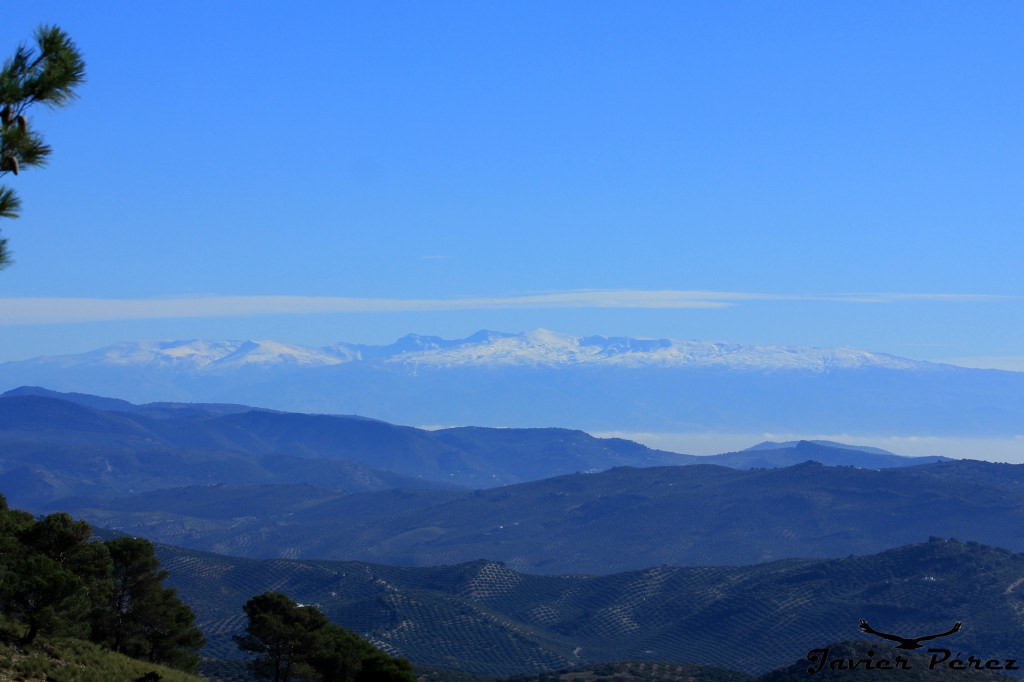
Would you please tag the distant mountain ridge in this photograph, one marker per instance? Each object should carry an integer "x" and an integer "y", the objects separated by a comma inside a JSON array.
[
  {"x": 542, "y": 378},
  {"x": 56, "y": 441},
  {"x": 769, "y": 455},
  {"x": 225, "y": 477},
  {"x": 538, "y": 348},
  {"x": 54, "y": 445},
  {"x": 621, "y": 519},
  {"x": 772, "y": 445}
]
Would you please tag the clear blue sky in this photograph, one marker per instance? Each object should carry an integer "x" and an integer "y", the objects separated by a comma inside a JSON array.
[{"x": 804, "y": 173}]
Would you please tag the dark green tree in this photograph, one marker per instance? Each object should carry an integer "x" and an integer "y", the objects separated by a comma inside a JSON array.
[
  {"x": 142, "y": 618},
  {"x": 13, "y": 554},
  {"x": 379, "y": 667},
  {"x": 55, "y": 577},
  {"x": 294, "y": 642},
  {"x": 340, "y": 655},
  {"x": 68, "y": 542},
  {"x": 281, "y": 634},
  {"x": 12, "y": 524},
  {"x": 43, "y": 596},
  {"x": 171, "y": 633},
  {"x": 46, "y": 74}
]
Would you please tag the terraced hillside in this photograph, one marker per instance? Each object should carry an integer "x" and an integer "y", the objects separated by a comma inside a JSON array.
[
  {"x": 637, "y": 671},
  {"x": 648, "y": 671},
  {"x": 484, "y": 617}
]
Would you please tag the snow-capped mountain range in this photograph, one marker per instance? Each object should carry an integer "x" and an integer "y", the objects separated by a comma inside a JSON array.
[
  {"x": 542, "y": 378},
  {"x": 539, "y": 348}
]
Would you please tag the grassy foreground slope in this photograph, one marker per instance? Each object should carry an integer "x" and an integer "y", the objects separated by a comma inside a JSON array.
[{"x": 75, "y": 660}]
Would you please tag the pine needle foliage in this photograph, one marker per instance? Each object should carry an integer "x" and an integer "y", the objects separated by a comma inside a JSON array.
[
  {"x": 291, "y": 642},
  {"x": 57, "y": 581},
  {"x": 46, "y": 74}
]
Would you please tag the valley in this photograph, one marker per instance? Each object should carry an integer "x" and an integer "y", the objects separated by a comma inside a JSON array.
[
  {"x": 483, "y": 617},
  {"x": 522, "y": 551},
  {"x": 511, "y": 341}
]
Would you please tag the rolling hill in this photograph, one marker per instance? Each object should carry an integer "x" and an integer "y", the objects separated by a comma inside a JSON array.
[
  {"x": 621, "y": 519},
  {"x": 55, "y": 446},
  {"x": 270, "y": 484},
  {"x": 486, "y": 618}
]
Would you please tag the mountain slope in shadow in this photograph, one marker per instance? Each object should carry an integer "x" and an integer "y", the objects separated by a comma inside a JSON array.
[{"x": 486, "y": 618}]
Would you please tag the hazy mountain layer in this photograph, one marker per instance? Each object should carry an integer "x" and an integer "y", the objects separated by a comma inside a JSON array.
[
  {"x": 621, "y": 519},
  {"x": 271, "y": 484},
  {"x": 540, "y": 347},
  {"x": 547, "y": 379},
  {"x": 53, "y": 448},
  {"x": 57, "y": 446}
]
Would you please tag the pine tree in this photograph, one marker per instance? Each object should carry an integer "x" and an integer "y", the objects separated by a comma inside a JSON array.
[
  {"x": 55, "y": 575},
  {"x": 293, "y": 642},
  {"x": 281, "y": 634},
  {"x": 142, "y": 618},
  {"x": 47, "y": 74},
  {"x": 47, "y": 598},
  {"x": 55, "y": 579}
]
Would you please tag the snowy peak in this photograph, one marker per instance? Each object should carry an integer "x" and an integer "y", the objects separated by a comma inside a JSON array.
[
  {"x": 415, "y": 343},
  {"x": 193, "y": 354},
  {"x": 541, "y": 348},
  {"x": 197, "y": 355},
  {"x": 263, "y": 353},
  {"x": 544, "y": 378},
  {"x": 546, "y": 348}
]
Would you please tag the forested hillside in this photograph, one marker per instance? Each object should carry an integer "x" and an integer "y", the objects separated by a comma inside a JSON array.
[{"x": 485, "y": 618}]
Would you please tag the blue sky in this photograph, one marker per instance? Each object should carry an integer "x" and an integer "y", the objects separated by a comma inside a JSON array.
[{"x": 804, "y": 173}]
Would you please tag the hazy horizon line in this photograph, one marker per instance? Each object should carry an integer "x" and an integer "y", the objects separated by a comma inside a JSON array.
[
  {"x": 25, "y": 311},
  {"x": 989, "y": 448}
]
